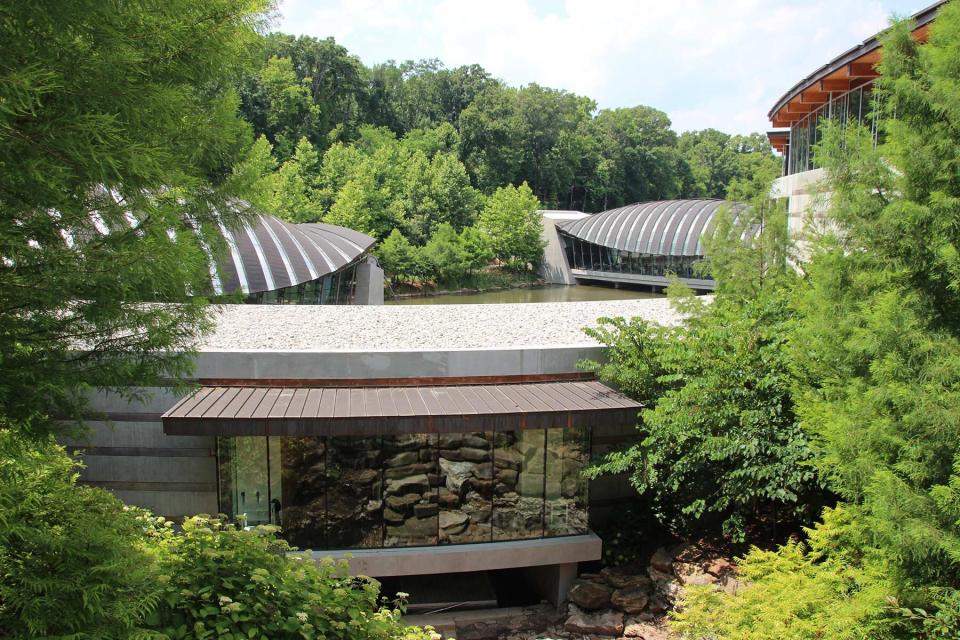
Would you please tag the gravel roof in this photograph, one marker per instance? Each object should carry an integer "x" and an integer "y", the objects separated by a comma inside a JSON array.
[{"x": 419, "y": 327}]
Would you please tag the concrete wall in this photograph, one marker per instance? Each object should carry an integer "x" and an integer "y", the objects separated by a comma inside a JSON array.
[
  {"x": 369, "y": 282},
  {"x": 807, "y": 203},
  {"x": 554, "y": 269}
]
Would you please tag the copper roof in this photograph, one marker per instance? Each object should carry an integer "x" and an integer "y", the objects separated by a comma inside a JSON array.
[
  {"x": 288, "y": 411},
  {"x": 850, "y": 69}
]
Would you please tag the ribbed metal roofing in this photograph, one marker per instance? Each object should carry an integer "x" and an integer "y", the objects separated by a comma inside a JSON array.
[
  {"x": 663, "y": 227},
  {"x": 289, "y": 411},
  {"x": 267, "y": 253}
]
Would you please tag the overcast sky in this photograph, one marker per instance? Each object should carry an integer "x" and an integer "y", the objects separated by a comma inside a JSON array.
[{"x": 707, "y": 64}]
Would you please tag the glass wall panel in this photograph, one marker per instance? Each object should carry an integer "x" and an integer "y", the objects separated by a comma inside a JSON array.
[
  {"x": 303, "y": 489},
  {"x": 467, "y": 485},
  {"x": 244, "y": 487},
  {"x": 354, "y": 495},
  {"x": 407, "y": 490},
  {"x": 568, "y": 454},
  {"x": 411, "y": 485},
  {"x": 518, "y": 500}
]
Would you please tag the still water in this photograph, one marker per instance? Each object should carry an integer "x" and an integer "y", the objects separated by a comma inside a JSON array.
[{"x": 560, "y": 293}]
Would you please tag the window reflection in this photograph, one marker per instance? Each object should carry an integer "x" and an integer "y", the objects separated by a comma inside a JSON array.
[{"x": 408, "y": 490}]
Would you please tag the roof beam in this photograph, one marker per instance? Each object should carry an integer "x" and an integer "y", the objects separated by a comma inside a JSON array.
[{"x": 862, "y": 70}]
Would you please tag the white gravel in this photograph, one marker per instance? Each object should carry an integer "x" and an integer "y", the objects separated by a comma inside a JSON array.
[{"x": 417, "y": 327}]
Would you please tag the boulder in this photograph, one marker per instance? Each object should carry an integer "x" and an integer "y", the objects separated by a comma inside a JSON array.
[
  {"x": 403, "y": 504},
  {"x": 407, "y": 470},
  {"x": 658, "y": 604},
  {"x": 475, "y": 442},
  {"x": 720, "y": 567},
  {"x": 451, "y": 441},
  {"x": 361, "y": 476},
  {"x": 448, "y": 499},
  {"x": 414, "y": 529},
  {"x": 587, "y": 594},
  {"x": 450, "y": 454},
  {"x": 484, "y": 471},
  {"x": 630, "y": 600},
  {"x": 507, "y": 459},
  {"x": 457, "y": 473},
  {"x": 507, "y": 477},
  {"x": 453, "y": 522},
  {"x": 643, "y": 630},
  {"x": 692, "y": 573},
  {"x": 403, "y": 459},
  {"x": 475, "y": 455},
  {"x": 661, "y": 560},
  {"x": 603, "y": 623},
  {"x": 428, "y": 510},
  {"x": 392, "y": 517},
  {"x": 411, "y": 484},
  {"x": 624, "y": 578}
]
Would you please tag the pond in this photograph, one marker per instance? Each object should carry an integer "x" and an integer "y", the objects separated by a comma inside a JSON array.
[{"x": 557, "y": 293}]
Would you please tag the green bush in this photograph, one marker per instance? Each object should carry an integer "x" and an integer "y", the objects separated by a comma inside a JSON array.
[
  {"x": 835, "y": 586},
  {"x": 218, "y": 581},
  {"x": 72, "y": 558},
  {"x": 721, "y": 448}
]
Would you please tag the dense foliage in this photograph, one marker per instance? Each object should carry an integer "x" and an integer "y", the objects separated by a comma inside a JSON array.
[
  {"x": 216, "y": 581},
  {"x": 116, "y": 121},
  {"x": 876, "y": 353},
  {"x": 75, "y": 562},
  {"x": 721, "y": 446},
  {"x": 413, "y": 146},
  {"x": 71, "y": 559}
]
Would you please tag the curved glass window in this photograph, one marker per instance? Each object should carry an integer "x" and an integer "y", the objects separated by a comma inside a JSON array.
[{"x": 851, "y": 107}]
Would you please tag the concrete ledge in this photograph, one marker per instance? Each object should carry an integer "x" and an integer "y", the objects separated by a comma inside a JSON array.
[{"x": 484, "y": 556}]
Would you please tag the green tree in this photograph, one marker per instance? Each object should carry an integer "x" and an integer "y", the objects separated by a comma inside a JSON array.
[
  {"x": 476, "y": 249},
  {"x": 513, "y": 226},
  {"x": 398, "y": 257},
  {"x": 712, "y": 160},
  {"x": 291, "y": 113},
  {"x": 445, "y": 255},
  {"x": 876, "y": 353},
  {"x": 638, "y": 158},
  {"x": 113, "y": 117}
]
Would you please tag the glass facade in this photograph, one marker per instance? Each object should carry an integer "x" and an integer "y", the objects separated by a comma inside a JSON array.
[
  {"x": 352, "y": 492},
  {"x": 593, "y": 257},
  {"x": 333, "y": 288},
  {"x": 853, "y": 106}
]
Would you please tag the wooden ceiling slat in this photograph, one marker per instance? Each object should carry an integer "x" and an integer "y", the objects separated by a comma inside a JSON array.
[
  {"x": 279, "y": 408},
  {"x": 204, "y": 405},
  {"x": 248, "y": 407}
]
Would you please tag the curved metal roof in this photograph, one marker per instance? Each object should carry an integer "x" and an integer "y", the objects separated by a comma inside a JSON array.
[
  {"x": 664, "y": 227},
  {"x": 267, "y": 253}
]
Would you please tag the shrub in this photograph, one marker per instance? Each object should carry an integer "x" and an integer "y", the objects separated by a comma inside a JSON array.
[
  {"x": 72, "y": 560},
  {"x": 219, "y": 581}
]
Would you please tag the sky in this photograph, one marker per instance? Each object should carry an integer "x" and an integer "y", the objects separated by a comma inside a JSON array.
[{"x": 719, "y": 64}]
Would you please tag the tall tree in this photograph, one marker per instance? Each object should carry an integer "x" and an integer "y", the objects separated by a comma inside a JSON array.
[
  {"x": 113, "y": 119},
  {"x": 638, "y": 158}
]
